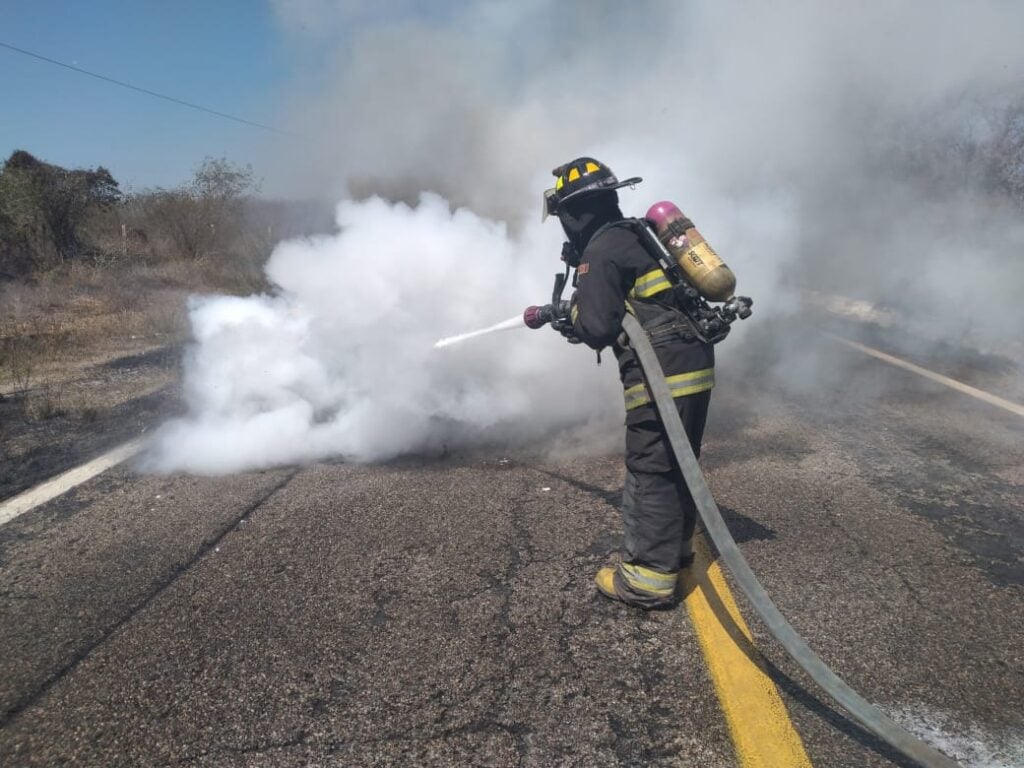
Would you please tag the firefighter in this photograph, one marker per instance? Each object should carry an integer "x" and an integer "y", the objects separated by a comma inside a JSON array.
[{"x": 615, "y": 275}]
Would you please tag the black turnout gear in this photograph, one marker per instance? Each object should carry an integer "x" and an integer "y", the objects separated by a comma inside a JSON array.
[{"x": 616, "y": 274}]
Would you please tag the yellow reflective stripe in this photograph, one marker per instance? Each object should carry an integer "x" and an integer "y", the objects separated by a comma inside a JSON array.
[
  {"x": 560, "y": 182},
  {"x": 683, "y": 379},
  {"x": 574, "y": 313},
  {"x": 649, "y": 277},
  {"x": 648, "y": 580},
  {"x": 650, "y": 283},
  {"x": 688, "y": 383},
  {"x": 693, "y": 389},
  {"x": 680, "y": 385},
  {"x": 574, "y": 174},
  {"x": 657, "y": 287},
  {"x": 636, "y": 396},
  {"x": 591, "y": 167},
  {"x": 636, "y": 402}
]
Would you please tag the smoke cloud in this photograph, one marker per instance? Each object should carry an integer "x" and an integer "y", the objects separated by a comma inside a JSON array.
[
  {"x": 870, "y": 149},
  {"x": 341, "y": 360}
]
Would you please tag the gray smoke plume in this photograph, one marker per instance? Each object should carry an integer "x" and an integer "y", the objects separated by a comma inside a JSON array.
[
  {"x": 870, "y": 149},
  {"x": 878, "y": 139}
]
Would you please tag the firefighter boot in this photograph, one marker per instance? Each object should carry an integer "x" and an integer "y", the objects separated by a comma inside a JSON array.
[
  {"x": 605, "y": 581},
  {"x": 620, "y": 583}
]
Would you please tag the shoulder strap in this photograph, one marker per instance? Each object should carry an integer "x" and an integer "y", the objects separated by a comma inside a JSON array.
[{"x": 652, "y": 245}]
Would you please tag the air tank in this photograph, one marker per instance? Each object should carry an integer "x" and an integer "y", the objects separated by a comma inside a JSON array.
[{"x": 702, "y": 266}]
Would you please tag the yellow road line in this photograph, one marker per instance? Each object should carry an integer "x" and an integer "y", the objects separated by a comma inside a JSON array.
[
  {"x": 761, "y": 731},
  {"x": 959, "y": 386}
]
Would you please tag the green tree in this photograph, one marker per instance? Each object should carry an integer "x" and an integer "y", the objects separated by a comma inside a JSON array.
[
  {"x": 217, "y": 178},
  {"x": 44, "y": 207}
]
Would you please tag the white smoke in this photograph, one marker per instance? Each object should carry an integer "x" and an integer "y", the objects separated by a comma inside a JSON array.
[
  {"x": 341, "y": 361},
  {"x": 834, "y": 147}
]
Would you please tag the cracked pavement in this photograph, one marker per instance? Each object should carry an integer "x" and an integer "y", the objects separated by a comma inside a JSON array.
[{"x": 441, "y": 611}]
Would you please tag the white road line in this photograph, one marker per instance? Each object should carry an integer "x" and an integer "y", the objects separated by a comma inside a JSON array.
[
  {"x": 53, "y": 488},
  {"x": 959, "y": 386}
]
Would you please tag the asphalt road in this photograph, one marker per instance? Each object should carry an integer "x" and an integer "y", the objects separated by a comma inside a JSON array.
[{"x": 441, "y": 611}]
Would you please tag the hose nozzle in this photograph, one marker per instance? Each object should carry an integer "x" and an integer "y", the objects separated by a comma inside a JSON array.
[{"x": 537, "y": 317}]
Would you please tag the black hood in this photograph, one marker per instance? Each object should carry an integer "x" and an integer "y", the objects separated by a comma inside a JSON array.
[{"x": 582, "y": 217}]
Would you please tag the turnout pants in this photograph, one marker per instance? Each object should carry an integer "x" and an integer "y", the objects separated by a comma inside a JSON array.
[{"x": 658, "y": 513}]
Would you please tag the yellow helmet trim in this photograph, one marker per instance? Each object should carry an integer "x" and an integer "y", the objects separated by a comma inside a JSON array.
[
  {"x": 560, "y": 182},
  {"x": 591, "y": 167},
  {"x": 574, "y": 174}
]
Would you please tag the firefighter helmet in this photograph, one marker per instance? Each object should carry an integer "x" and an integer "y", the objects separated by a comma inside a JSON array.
[{"x": 582, "y": 176}]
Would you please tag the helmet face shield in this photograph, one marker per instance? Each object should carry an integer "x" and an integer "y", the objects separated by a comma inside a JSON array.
[{"x": 550, "y": 203}]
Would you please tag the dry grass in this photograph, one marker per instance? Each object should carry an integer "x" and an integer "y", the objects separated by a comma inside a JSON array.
[
  {"x": 56, "y": 324},
  {"x": 27, "y": 346},
  {"x": 46, "y": 402},
  {"x": 53, "y": 328}
]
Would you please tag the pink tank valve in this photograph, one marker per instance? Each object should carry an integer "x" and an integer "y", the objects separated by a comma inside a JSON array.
[{"x": 661, "y": 213}]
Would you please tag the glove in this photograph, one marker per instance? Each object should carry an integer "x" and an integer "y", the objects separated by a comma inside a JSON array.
[{"x": 564, "y": 326}]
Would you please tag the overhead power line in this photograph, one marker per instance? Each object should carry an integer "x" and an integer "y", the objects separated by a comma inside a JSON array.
[{"x": 146, "y": 91}]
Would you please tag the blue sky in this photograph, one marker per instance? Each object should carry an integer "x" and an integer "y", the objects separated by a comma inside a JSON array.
[{"x": 228, "y": 55}]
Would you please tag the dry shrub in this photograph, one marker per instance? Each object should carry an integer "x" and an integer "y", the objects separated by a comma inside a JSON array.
[
  {"x": 47, "y": 402},
  {"x": 27, "y": 346},
  {"x": 136, "y": 259}
]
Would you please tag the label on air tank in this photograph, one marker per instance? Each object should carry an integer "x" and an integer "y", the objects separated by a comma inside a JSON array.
[{"x": 701, "y": 255}]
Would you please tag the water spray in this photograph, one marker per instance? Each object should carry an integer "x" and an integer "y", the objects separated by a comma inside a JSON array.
[
  {"x": 505, "y": 325},
  {"x": 533, "y": 317}
]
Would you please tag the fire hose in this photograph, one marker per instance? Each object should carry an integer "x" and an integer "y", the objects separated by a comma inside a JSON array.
[{"x": 859, "y": 708}]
